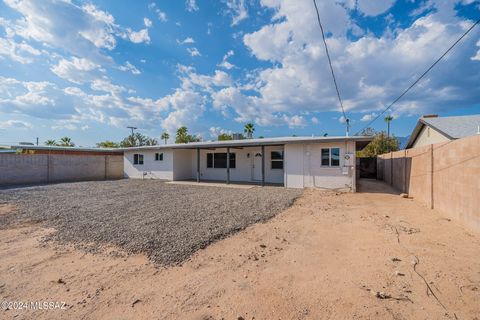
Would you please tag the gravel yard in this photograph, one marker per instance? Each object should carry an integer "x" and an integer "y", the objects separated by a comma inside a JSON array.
[{"x": 165, "y": 221}]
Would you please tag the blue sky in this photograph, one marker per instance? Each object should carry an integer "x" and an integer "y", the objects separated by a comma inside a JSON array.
[{"x": 89, "y": 69}]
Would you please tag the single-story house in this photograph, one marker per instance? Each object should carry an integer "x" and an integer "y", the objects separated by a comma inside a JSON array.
[
  {"x": 294, "y": 162},
  {"x": 432, "y": 129}
]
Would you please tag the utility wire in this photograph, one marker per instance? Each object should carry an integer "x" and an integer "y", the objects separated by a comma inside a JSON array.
[
  {"x": 420, "y": 78},
  {"x": 331, "y": 67}
]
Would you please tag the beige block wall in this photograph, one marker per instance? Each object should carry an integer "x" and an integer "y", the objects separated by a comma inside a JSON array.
[
  {"x": 444, "y": 176},
  {"x": 42, "y": 168}
]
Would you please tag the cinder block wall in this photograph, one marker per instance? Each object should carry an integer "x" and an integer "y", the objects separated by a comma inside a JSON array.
[
  {"x": 443, "y": 176},
  {"x": 42, "y": 168}
]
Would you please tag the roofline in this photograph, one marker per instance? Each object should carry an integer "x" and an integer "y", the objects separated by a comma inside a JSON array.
[
  {"x": 250, "y": 142},
  {"x": 418, "y": 128},
  {"x": 60, "y": 148}
]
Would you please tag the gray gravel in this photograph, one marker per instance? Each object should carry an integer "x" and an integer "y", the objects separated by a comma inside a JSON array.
[{"x": 165, "y": 221}]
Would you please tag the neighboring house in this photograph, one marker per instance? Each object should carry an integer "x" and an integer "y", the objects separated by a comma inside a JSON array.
[
  {"x": 434, "y": 129},
  {"x": 295, "y": 162},
  {"x": 79, "y": 151}
]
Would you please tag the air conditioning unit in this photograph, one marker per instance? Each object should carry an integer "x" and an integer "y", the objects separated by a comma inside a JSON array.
[{"x": 348, "y": 160}]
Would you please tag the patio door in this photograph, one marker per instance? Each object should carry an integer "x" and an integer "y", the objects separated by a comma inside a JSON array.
[{"x": 257, "y": 165}]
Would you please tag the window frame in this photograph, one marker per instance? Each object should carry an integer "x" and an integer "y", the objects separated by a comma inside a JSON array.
[
  {"x": 330, "y": 158},
  {"x": 211, "y": 155},
  {"x": 138, "y": 159},
  {"x": 158, "y": 156},
  {"x": 281, "y": 160}
]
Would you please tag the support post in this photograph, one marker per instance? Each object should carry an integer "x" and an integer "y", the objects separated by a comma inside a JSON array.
[
  {"x": 228, "y": 165},
  {"x": 432, "y": 198},
  {"x": 198, "y": 164},
  {"x": 263, "y": 166}
]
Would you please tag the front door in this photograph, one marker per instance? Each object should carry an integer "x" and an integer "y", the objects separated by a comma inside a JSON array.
[{"x": 257, "y": 165}]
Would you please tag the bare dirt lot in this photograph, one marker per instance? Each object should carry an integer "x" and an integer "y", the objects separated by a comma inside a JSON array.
[{"x": 329, "y": 256}]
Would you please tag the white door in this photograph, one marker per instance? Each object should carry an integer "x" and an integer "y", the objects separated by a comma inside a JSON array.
[{"x": 257, "y": 165}]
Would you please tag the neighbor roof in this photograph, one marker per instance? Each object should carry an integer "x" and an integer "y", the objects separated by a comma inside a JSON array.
[
  {"x": 60, "y": 148},
  {"x": 451, "y": 127},
  {"x": 255, "y": 142}
]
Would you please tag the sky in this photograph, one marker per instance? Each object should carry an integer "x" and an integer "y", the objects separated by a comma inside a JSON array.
[{"x": 89, "y": 69}]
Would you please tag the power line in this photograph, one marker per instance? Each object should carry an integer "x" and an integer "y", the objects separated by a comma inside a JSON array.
[
  {"x": 331, "y": 67},
  {"x": 420, "y": 78}
]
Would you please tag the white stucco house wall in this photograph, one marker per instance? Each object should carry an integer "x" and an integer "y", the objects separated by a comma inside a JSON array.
[{"x": 293, "y": 162}]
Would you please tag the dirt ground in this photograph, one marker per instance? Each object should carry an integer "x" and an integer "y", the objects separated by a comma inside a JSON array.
[{"x": 329, "y": 256}]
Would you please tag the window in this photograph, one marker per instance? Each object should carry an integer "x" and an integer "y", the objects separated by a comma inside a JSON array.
[
  {"x": 330, "y": 157},
  {"x": 325, "y": 157},
  {"x": 158, "y": 156},
  {"x": 137, "y": 158},
  {"x": 219, "y": 160},
  {"x": 276, "y": 158}
]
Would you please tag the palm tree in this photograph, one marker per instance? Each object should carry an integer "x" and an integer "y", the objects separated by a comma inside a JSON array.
[
  {"x": 151, "y": 142},
  {"x": 182, "y": 135},
  {"x": 66, "y": 142},
  {"x": 388, "y": 119},
  {"x": 129, "y": 141},
  {"x": 107, "y": 144},
  {"x": 249, "y": 129},
  {"x": 165, "y": 136},
  {"x": 50, "y": 143}
]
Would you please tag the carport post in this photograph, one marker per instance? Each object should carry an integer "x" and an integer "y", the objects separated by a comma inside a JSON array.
[
  {"x": 228, "y": 165},
  {"x": 198, "y": 164},
  {"x": 263, "y": 166}
]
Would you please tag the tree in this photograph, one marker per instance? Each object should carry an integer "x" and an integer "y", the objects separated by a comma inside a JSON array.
[
  {"x": 183, "y": 136},
  {"x": 225, "y": 137},
  {"x": 380, "y": 144},
  {"x": 66, "y": 142},
  {"x": 388, "y": 119},
  {"x": 151, "y": 142},
  {"x": 137, "y": 140},
  {"x": 249, "y": 129},
  {"x": 129, "y": 141},
  {"x": 107, "y": 144},
  {"x": 165, "y": 136},
  {"x": 50, "y": 143}
]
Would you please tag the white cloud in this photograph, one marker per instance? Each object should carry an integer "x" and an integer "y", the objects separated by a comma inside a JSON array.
[
  {"x": 368, "y": 117},
  {"x": 19, "y": 52},
  {"x": 294, "y": 121},
  {"x": 191, "y": 5},
  {"x": 187, "y": 107},
  {"x": 374, "y": 7},
  {"x": 130, "y": 67},
  {"x": 194, "y": 52},
  {"x": 371, "y": 71},
  {"x": 237, "y": 10},
  {"x": 76, "y": 70},
  {"x": 477, "y": 56},
  {"x": 147, "y": 22},
  {"x": 15, "y": 124},
  {"x": 225, "y": 64},
  {"x": 139, "y": 36},
  {"x": 187, "y": 40},
  {"x": 162, "y": 16},
  {"x": 216, "y": 131},
  {"x": 315, "y": 120},
  {"x": 82, "y": 31}
]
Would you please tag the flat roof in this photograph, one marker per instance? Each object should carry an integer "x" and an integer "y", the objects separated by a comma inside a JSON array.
[
  {"x": 253, "y": 142},
  {"x": 59, "y": 148}
]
